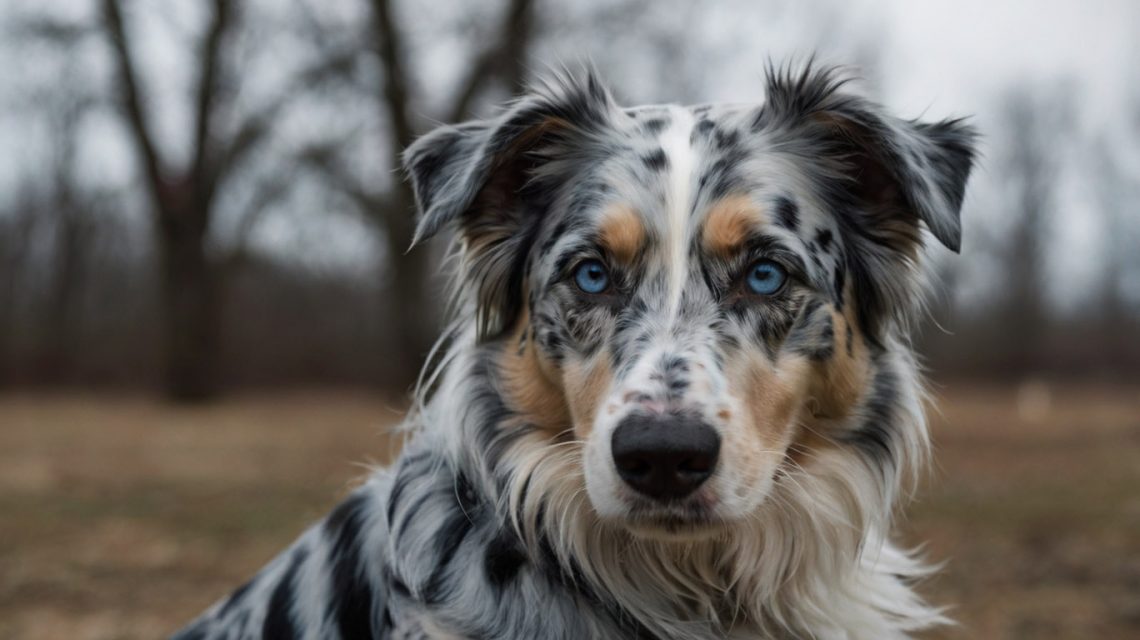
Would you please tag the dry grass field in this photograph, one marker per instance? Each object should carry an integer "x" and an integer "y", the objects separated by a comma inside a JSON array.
[{"x": 122, "y": 518}]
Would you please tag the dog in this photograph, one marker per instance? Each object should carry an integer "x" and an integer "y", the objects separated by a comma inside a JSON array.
[{"x": 679, "y": 397}]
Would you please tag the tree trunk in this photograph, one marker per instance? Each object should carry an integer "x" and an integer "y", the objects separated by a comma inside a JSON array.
[
  {"x": 190, "y": 308},
  {"x": 56, "y": 358},
  {"x": 9, "y": 277}
]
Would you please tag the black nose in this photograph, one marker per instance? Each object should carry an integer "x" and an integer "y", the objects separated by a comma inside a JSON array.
[{"x": 665, "y": 457}]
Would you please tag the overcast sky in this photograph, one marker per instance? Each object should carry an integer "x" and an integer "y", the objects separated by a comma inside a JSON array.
[
  {"x": 928, "y": 58},
  {"x": 972, "y": 48}
]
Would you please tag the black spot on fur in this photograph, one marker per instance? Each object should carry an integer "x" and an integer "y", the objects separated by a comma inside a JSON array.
[
  {"x": 726, "y": 139},
  {"x": 352, "y": 606},
  {"x": 823, "y": 238},
  {"x": 493, "y": 436},
  {"x": 504, "y": 558},
  {"x": 871, "y": 304},
  {"x": 386, "y": 621},
  {"x": 839, "y": 284},
  {"x": 721, "y": 176},
  {"x": 409, "y": 514},
  {"x": 702, "y": 130},
  {"x": 655, "y": 125},
  {"x": 787, "y": 214},
  {"x": 235, "y": 600},
  {"x": 411, "y": 467},
  {"x": 850, "y": 342},
  {"x": 875, "y": 436},
  {"x": 672, "y": 364},
  {"x": 469, "y": 500},
  {"x": 656, "y": 160},
  {"x": 826, "y": 346},
  {"x": 814, "y": 333},
  {"x": 552, "y": 342},
  {"x": 560, "y": 265},
  {"x": 278, "y": 615},
  {"x": 714, "y": 174},
  {"x": 449, "y": 537},
  {"x": 400, "y": 588}
]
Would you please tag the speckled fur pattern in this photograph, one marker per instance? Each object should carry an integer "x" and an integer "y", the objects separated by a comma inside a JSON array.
[{"x": 504, "y": 516}]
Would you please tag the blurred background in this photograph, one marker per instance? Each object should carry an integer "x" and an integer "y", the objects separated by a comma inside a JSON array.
[{"x": 208, "y": 318}]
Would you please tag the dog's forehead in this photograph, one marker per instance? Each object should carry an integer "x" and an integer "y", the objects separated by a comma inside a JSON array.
[{"x": 676, "y": 169}]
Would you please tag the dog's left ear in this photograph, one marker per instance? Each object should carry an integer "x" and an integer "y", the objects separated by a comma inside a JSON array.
[
  {"x": 898, "y": 172},
  {"x": 483, "y": 178},
  {"x": 904, "y": 171}
]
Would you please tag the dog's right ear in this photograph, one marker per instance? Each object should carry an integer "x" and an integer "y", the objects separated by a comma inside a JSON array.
[
  {"x": 479, "y": 176},
  {"x": 439, "y": 166}
]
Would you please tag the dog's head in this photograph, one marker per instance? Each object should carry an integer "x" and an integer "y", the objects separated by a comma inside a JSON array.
[{"x": 694, "y": 299}]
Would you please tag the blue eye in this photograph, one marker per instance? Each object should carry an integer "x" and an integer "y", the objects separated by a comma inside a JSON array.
[
  {"x": 591, "y": 276},
  {"x": 766, "y": 277}
]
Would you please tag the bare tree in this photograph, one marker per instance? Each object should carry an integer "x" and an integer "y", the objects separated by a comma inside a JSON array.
[
  {"x": 70, "y": 217},
  {"x": 503, "y": 62},
  {"x": 500, "y": 65},
  {"x": 1033, "y": 124},
  {"x": 1119, "y": 196},
  {"x": 16, "y": 227},
  {"x": 50, "y": 206},
  {"x": 181, "y": 199},
  {"x": 184, "y": 198}
]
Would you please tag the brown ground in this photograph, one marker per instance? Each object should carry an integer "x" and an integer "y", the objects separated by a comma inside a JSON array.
[{"x": 122, "y": 518}]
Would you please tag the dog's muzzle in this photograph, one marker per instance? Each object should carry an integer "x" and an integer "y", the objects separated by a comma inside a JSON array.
[{"x": 665, "y": 457}]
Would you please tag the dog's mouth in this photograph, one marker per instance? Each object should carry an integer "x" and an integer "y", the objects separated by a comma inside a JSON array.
[{"x": 673, "y": 522}]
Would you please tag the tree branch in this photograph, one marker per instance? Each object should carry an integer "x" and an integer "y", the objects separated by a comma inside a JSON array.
[
  {"x": 504, "y": 59},
  {"x": 477, "y": 77},
  {"x": 208, "y": 83},
  {"x": 136, "y": 118},
  {"x": 322, "y": 158},
  {"x": 254, "y": 128},
  {"x": 268, "y": 193},
  {"x": 395, "y": 86},
  {"x": 518, "y": 28}
]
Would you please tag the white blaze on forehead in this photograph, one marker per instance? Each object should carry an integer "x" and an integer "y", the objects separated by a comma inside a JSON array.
[{"x": 678, "y": 148}]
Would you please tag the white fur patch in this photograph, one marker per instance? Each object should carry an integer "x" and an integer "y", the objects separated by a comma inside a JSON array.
[{"x": 675, "y": 142}]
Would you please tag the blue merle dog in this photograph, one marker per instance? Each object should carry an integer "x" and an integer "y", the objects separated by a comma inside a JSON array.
[{"x": 679, "y": 398}]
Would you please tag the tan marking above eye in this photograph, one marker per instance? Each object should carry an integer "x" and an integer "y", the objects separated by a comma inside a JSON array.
[
  {"x": 729, "y": 221},
  {"x": 622, "y": 232}
]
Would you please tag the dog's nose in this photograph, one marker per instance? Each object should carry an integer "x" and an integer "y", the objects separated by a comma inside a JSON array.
[{"x": 665, "y": 457}]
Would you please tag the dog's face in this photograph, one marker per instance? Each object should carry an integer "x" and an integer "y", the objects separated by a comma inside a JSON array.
[{"x": 697, "y": 295}]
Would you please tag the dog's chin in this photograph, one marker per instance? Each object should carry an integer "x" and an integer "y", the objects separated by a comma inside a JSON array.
[{"x": 673, "y": 528}]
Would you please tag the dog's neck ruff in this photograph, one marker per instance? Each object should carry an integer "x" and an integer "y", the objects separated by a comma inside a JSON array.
[{"x": 813, "y": 563}]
